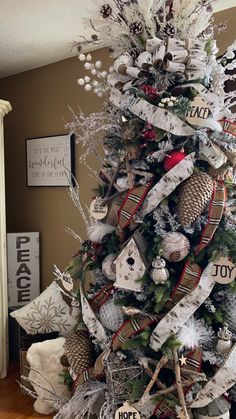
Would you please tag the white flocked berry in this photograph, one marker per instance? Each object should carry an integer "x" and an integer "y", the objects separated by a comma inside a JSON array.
[
  {"x": 104, "y": 74},
  {"x": 81, "y": 82},
  {"x": 82, "y": 57},
  {"x": 98, "y": 64},
  {"x": 89, "y": 57},
  {"x": 87, "y": 66},
  {"x": 94, "y": 71},
  {"x": 87, "y": 79},
  {"x": 88, "y": 87}
]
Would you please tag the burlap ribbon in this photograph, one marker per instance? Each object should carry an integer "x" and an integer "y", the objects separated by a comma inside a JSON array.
[
  {"x": 192, "y": 272},
  {"x": 101, "y": 297},
  {"x": 131, "y": 204},
  {"x": 228, "y": 126},
  {"x": 130, "y": 328}
]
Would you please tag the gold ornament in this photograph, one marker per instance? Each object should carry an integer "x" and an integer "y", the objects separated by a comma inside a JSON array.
[
  {"x": 194, "y": 195},
  {"x": 79, "y": 351}
]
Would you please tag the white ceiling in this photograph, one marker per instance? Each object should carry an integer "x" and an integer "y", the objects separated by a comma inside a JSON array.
[{"x": 38, "y": 32}]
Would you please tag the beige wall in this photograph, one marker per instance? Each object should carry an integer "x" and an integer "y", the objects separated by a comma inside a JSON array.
[{"x": 39, "y": 99}]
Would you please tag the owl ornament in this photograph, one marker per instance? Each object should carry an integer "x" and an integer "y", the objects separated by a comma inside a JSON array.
[
  {"x": 159, "y": 273},
  {"x": 224, "y": 343}
]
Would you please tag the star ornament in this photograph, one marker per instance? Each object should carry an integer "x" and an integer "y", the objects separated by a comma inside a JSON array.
[
  {"x": 181, "y": 415},
  {"x": 183, "y": 360}
]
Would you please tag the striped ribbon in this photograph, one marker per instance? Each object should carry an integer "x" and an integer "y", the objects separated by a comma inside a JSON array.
[
  {"x": 228, "y": 126},
  {"x": 101, "y": 297},
  {"x": 192, "y": 272},
  {"x": 83, "y": 378},
  {"x": 187, "y": 282},
  {"x": 216, "y": 211},
  {"x": 131, "y": 204},
  {"x": 130, "y": 328},
  {"x": 162, "y": 410},
  {"x": 194, "y": 360}
]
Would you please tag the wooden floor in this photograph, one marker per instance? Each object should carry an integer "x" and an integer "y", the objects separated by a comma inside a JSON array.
[{"x": 12, "y": 404}]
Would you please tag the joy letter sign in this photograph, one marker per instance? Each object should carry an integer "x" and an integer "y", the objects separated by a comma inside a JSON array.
[
  {"x": 223, "y": 271},
  {"x": 127, "y": 412}
]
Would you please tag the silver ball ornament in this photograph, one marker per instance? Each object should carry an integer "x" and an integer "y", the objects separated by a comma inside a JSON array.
[{"x": 111, "y": 316}]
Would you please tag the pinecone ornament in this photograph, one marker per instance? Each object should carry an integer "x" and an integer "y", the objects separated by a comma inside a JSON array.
[
  {"x": 105, "y": 10},
  {"x": 159, "y": 273},
  {"x": 79, "y": 351},
  {"x": 224, "y": 343},
  {"x": 194, "y": 195},
  {"x": 136, "y": 28}
]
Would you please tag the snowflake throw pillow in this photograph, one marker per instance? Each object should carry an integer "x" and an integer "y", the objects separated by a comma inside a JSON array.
[{"x": 46, "y": 313}]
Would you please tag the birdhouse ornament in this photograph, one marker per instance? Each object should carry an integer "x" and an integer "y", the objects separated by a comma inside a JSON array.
[
  {"x": 159, "y": 273},
  {"x": 130, "y": 267}
]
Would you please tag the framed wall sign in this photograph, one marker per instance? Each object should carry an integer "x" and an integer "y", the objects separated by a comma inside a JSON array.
[{"x": 50, "y": 160}]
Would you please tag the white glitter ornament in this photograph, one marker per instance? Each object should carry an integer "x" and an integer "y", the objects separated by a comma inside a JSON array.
[
  {"x": 111, "y": 316},
  {"x": 175, "y": 247},
  {"x": 108, "y": 267},
  {"x": 159, "y": 273}
]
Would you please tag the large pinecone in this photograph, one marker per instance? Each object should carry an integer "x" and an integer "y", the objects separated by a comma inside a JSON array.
[
  {"x": 194, "y": 195},
  {"x": 79, "y": 351}
]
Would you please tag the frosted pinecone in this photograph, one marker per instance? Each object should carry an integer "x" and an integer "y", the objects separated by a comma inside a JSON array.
[
  {"x": 106, "y": 10},
  {"x": 194, "y": 195},
  {"x": 79, "y": 351},
  {"x": 136, "y": 28}
]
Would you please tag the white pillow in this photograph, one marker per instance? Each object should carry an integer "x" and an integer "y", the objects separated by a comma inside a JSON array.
[{"x": 46, "y": 313}]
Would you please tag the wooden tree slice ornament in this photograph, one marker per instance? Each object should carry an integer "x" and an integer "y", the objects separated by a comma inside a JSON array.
[
  {"x": 127, "y": 412},
  {"x": 198, "y": 112},
  {"x": 223, "y": 271},
  {"x": 98, "y": 210}
]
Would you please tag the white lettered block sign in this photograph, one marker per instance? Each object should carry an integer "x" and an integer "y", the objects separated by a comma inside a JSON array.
[{"x": 23, "y": 268}]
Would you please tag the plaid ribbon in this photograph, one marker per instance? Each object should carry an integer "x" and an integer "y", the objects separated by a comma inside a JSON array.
[
  {"x": 131, "y": 204},
  {"x": 215, "y": 214},
  {"x": 192, "y": 272},
  {"x": 101, "y": 297},
  {"x": 162, "y": 410},
  {"x": 193, "y": 361},
  {"x": 130, "y": 328},
  {"x": 188, "y": 281},
  {"x": 83, "y": 378},
  {"x": 228, "y": 126}
]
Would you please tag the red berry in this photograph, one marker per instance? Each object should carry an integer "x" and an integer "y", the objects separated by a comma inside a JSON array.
[{"x": 173, "y": 158}]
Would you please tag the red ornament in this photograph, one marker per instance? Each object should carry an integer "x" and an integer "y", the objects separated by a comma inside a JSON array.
[{"x": 173, "y": 158}]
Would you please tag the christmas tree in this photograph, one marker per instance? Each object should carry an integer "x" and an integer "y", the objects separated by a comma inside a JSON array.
[{"x": 156, "y": 328}]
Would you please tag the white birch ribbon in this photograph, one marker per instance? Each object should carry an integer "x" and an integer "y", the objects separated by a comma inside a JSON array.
[
  {"x": 90, "y": 319},
  {"x": 158, "y": 117},
  {"x": 168, "y": 183},
  {"x": 183, "y": 310},
  {"x": 212, "y": 154},
  {"x": 224, "y": 378},
  {"x": 173, "y": 55}
]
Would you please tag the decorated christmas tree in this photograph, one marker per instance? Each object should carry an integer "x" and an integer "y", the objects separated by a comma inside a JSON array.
[{"x": 156, "y": 328}]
